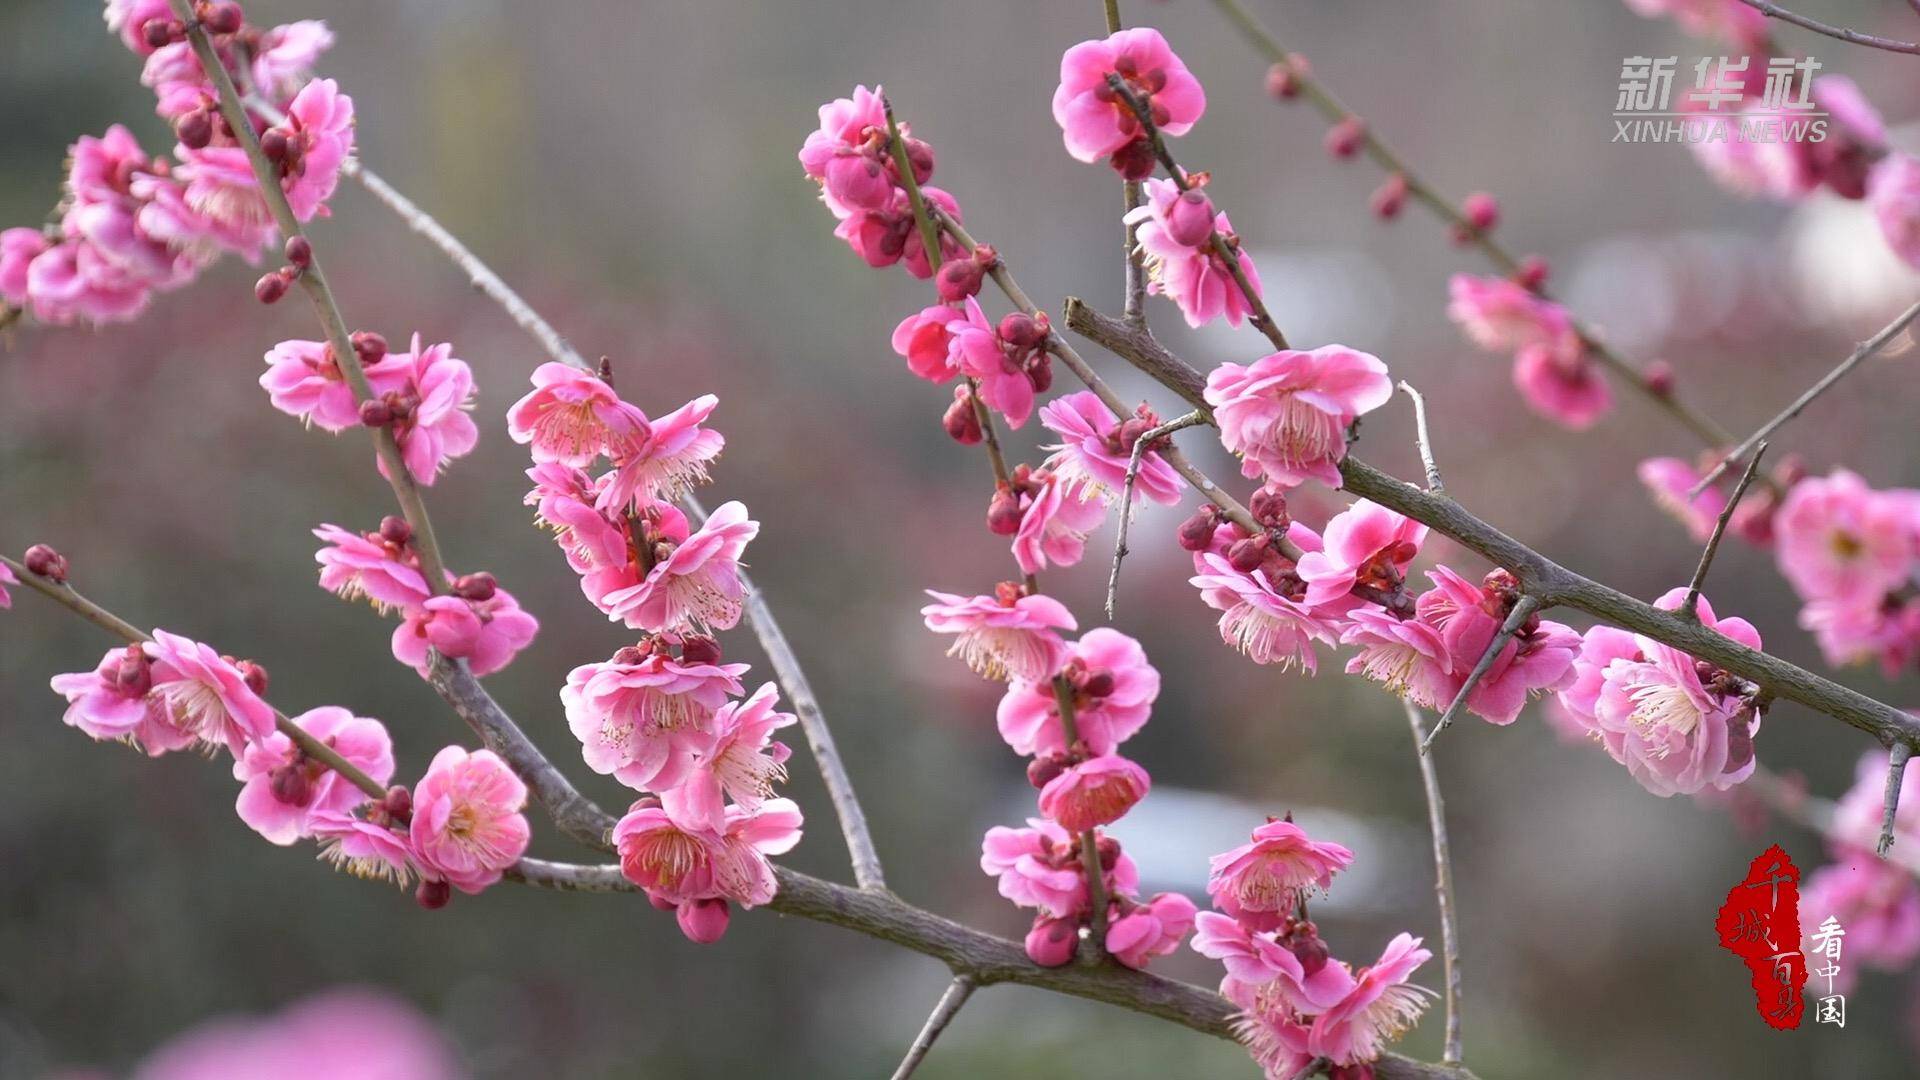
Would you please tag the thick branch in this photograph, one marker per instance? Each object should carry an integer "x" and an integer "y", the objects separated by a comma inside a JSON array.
[{"x": 1896, "y": 773}]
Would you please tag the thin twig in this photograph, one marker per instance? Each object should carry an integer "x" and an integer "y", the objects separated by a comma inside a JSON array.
[
  {"x": 813, "y": 724},
  {"x": 1852, "y": 37},
  {"x": 944, "y": 1010},
  {"x": 1322, "y": 99},
  {"x": 1136, "y": 303},
  {"x": 1866, "y": 349},
  {"x": 1434, "y": 486},
  {"x": 1522, "y": 608},
  {"x": 314, "y": 281},
  {"x": 1896, "y": 773},
  {"x": 1689, "y": 607},
  {"x": 1126, "y": 493},
  {"x": 1442, "y": 887},
  {"x": 1312, "y": 1068},
  {"x": 1227, "y": 253}
]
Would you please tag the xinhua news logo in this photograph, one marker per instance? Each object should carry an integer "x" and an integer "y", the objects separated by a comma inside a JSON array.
[{"x": 1723, "y": 105}]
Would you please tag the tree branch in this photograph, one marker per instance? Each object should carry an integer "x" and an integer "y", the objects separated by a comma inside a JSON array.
[
  {"x": 1126, "y": 493},
  {"x": 1434, "y": 485},
  {"x": 1867, "y": 348},
  {"x": 1442, "y": 884},
  {"x": 1523, "y": 609},
  {"x": 1689, "y": 607},
  {"x": 944, "y": 1010},
  {"x": 1896, "y": 772},
  {"x": 1841, "y": 33}
]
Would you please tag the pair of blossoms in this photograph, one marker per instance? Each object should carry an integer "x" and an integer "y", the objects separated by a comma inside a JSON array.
[
  {"x": 129, "y": 225},
  {"x": 1853, "y": 159},
  {"x": 459, "y": 827},
  {"x": 665, "y": 717}
]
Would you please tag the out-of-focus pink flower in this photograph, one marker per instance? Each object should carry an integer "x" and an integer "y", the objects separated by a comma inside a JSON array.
[
  {"x": 646, "y": 719},
  {"x": 1856, "y": 633},
  {"x": 572, "y": 417},
  {"x": 320, "y": 139},
  {"x": 1668, "y": 480},
  {"x": 18, "y": 248},
  {"x": 1499, "y": 315},
  {"x": 355, "y": 566},
  {"x": 694, "y": 583},
  {"x": 1537, "y": 659},
  {"x": 1098, "y": 447},
  {"x": 467, "y": 823},
  {"x": 1365, "y": 544},
  {"x": 1055, "y": 523},
  {"x": 1098, "y": 791},
  {"x": 1407, "y": 657},
  {"x": 283, "y": 60},
  {"x": 436, "y": 428},
  {"x": 1194, "y": 277},
  {"x": 129, "y": 18},
  {"x": 1676, "y": 727},
  {"x": 1039, "y": 867},
  {"x": 1875, "y": 903},
  {"x": 1008, "y": 635},
  {"x": 1145, "y": 931},
  {"x": 285, "y": 788},
  {"x": 923, "y": 338},
  {"x": 1893, "y": 190},
  {"x": 672, "y": 460},
  {"x": 1268, "y": 626},
  {"x": 202, "y": 695},
  {"x": 485, "y": 633},
  {"x": 1729, "y": 20},
  {"x": 222, "y": 190},
  {"x": 345, "y": 1034},
  {"x": 6, "y": 579},
  {"x": 1381, "y": 1005},
  {"x": 1858, "y": 814},
  {"x": 1094, "y": 120},
  {"x": 1113, "y": 691},
  {"x": 1287, "y": 413},
  {"x": 1843, "y": 542},
  {"x": 1262, "y": 881},
  {"x": 1562, "y": 383}
]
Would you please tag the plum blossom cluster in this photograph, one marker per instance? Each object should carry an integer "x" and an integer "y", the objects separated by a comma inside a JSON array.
[
  {"x": 1552, "y": 367},
  {"x": 1853, "y": 161},
  {"x": 130, "y": 225},
  {"x": 665, "y": 716},
  {"x": 1875, "y": 899},
  {"x": 853, "y": 159},
  {"x": 459, "y": 827},
  {"x": 422, "y": 396},
  {"x": 1297, "y": 1002}
]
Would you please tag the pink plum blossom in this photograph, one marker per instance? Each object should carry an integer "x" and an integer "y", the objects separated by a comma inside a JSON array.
[
  {"x": 671, "y": 461},
  {"x": 284, "y": 59},
  {"x": 680, "y": 862},
  {"x": 1269, "y": 626},
  {"x": 1262, "y": 881},
  {"x": 1677, "y": 729},
  {"x": 128, "y": 18},
  {"x": 1098, "y": 447},
  {"x": 1260, "y": 962},
  {"x": 1561, "y": 382},
  {"x": 1274, "y": 1034},
  {"x": 320, "y": 139},
  {"x": 1052, "y": 941},
  {"x": 367, "y": 843},
  {"x": 284, "y": 787},
  {"x": 1055, "y": 523},
  {"x": 1009, "y": 635},
  {"x": 1729, "y": 20},
  {"x": 1668, "y": 480},
  {"x": 485, "y": 633},
  {"x": 572, "y": 417},
  {"x": 1094, "y": 121},
  {"x": 924, "y": 340},
  {"x": 1407, "y": 657},
  {"x": 467, "y": 823},
  {"x": 889, "y": 234},
  {"x": 19, "y": 247},
  {"x": 1039, "y": 867},
  {"x": 1843, "y": 542},
  {"x": 646, "y": 719},
  {"x": 1365, "y": 544},
  {"x": 110, "y": 702},
  {"x": 1538, "y": 657},
  {"x": 976, "y": 349},
  {"x": 741, "y": 761},
  {"x": 1113, "y": 691},
  {"x": 1500, "y": 315},
  {"x": 835, "y": 154},
  {"x": 694, "y": 582},
  {"x": 1095, "y": 792},
  {"x": 6, "y": 579},
  {"x": 204, "y": 696},
  {"x": 1141, "y": 932},
  {"x": 1893, "y": 190},
  {"x": 221, "y": 189},
  {"x": 355, "y": 566},
  {"x": 1287, "y": 413},
  {"x": 437, "y": 395},
  {"x": 1381, "y": 1005},
  {"x": 1194, "y": 277}
]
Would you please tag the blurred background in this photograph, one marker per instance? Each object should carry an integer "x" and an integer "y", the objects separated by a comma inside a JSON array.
[{"x": 630, "y": 167}]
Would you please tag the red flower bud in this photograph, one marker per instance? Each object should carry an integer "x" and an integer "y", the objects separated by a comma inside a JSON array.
[
  {"x": 958, "y": 280},
  {"x": 395, "y": 530},
  {"x": 1099, "y": 684},
  {"x": 1190, "y": 219},
  {"x": 1023, "y": 331},
  {"x": 370, "y": 347},
  {"x": 376, "y": 413},
  {"x": 699, "y": 649},
  {"x": 1345, "y": 138},
  {"x": 1283, "y": 80},
  {"x": 159, "y": 32},
  {"x": 275, "y": 144},
  {"x": 222, "y": 18},
  {"x": 1390, "y": 197},
  {"x": 194, "y": 129},
  {"x": 1003, "y": 512},
  {"x": 270, "y": 288},
  {"x": 920, "y": 156},
  {"x": 255, "y": 676},
  {"x": 398, "y": 802},
  {"x": 47, "y": 563},
  {"x": 1196, "y": 533},
  {"x": 960, "y": 421},
  {"x": 1040, "y": 372},
  {"x": 1134, "y": 161},
  {"x": 290, "y": 783},
  {"x": 1269, "y": 507},
  {"x": 1248, "y": 553},
  {"x": 1533, "y": 273},
  {"x": 477, "y": 587},
  {"x": 1042, "y": 770},
  {"x": 1659, "y": 378},
  {"x": 433, "y": 895},
  {"x": 1481, "y": 210},
  {"x": 299, "y": 251}
]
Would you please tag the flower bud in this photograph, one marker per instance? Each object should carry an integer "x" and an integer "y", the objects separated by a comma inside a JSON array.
[
  {"x": 1003, "y": 512},
  {"x": 1345, "y": 138},
  {"x": 290, "y": 784},
  {"x": 221, "y": 18},
  {"x": 958, "y": 280},
  {"x": 299, "y": 251},
  {"x": 858, "y": 181},
  {"x": 254, "y": 675},
  {"x": 369, "y": 346},
  {"x": 1099, "y": 684},
  {"x": 1659, "y": 378},
  {"x": 920, "y": 156},
  {"x": 274, "y": 143},
  {"x": 1359, "y": 1070},
  {"x": 1390, "y": 197},
  {"x": 477, "y": 587},
  {"x": 699, "y": 649},
  {"x": 1040, "y": 372},
  {"x": 1134, "y": 161},
  {"x": 395, "y": 530},
  {"x": 1108, "y": 851},
  {"x": 47, "y": 563},
  {"x": 270, "y": 288},
  {"x": 1269, "y": 507},
  {"x": 1481, "y": 210},
  {"x": 1196, "y": 533},
  {"x": 1042, "y": 770},
  {"x": 135, "y": 674},
  {"x": 1023, "y": 331},
  {"x": 1190, "y": 219},
  {"x": 960, "y": 420},
  {"x": 159, "y": 32},
  {"x": 1309, "y": 950},
  {"x": 1248, "y": 553},
  {"x": 1051, "y": 942},
  {"x": 376, "y": 413},
  {"x": 398, "y": 802},
  {"x": 194, "y": 129},
  {"x": 1283, "y": 80},
  {"x": 1533, "y": 273},
  {"x": 704, "y": 921},
  {"x": 433, "y": 895}
]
